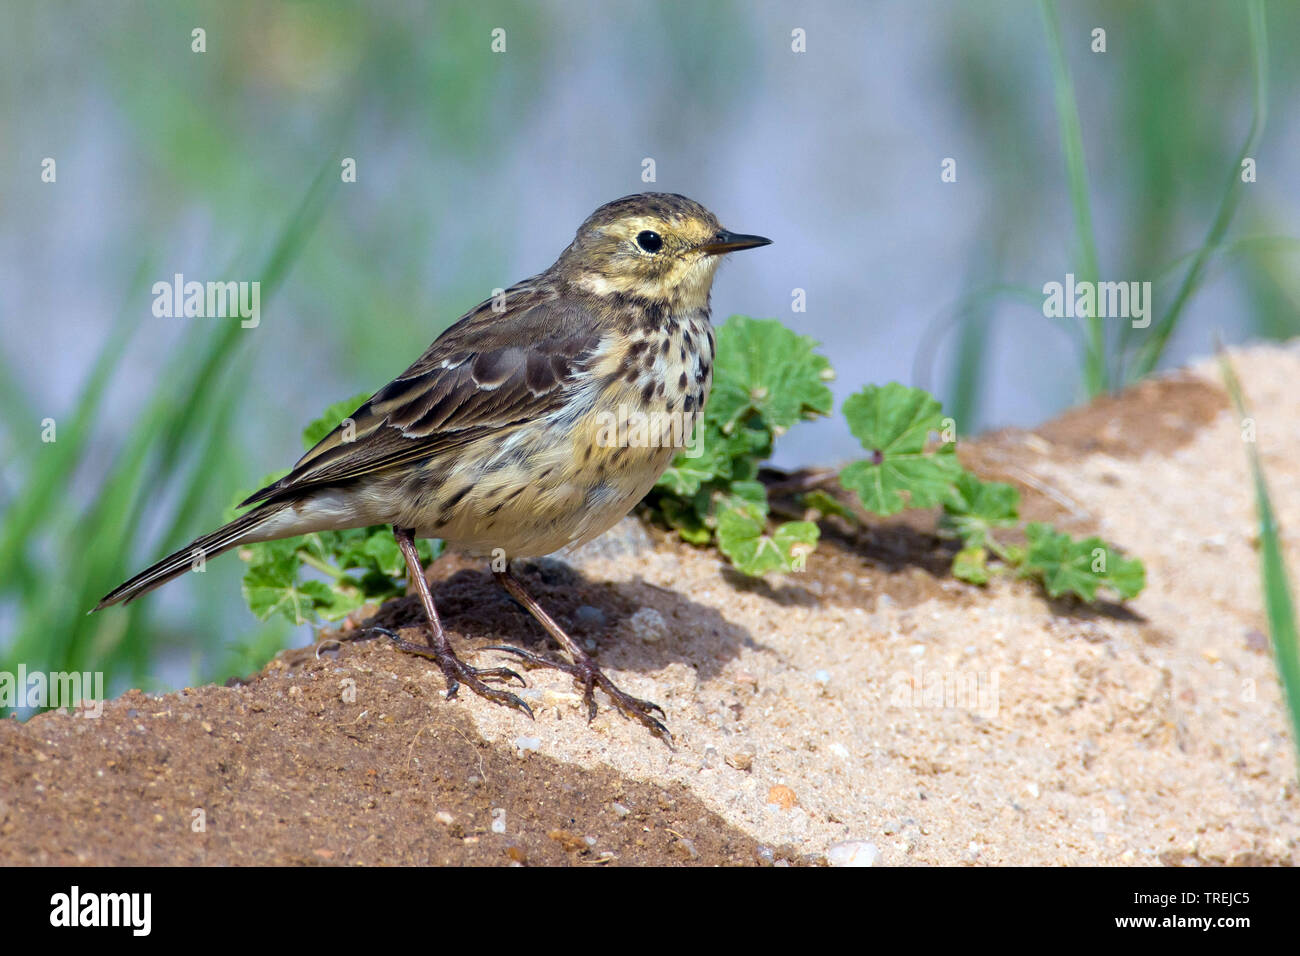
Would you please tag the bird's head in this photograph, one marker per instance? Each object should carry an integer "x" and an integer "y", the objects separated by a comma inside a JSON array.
[{"x": 659, "y": 246}]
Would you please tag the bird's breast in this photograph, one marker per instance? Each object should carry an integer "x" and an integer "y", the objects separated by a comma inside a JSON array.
[{"x": 566, "y": 477}]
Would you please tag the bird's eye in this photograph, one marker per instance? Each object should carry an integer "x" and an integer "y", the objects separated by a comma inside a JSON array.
[{"x": 650, "y": 241}]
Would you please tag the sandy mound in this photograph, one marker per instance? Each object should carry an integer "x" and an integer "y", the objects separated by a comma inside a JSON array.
[{"x": 870, "y": 699}]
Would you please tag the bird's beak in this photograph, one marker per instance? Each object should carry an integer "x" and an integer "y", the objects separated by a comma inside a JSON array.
[{"x": 732, "y": 241}]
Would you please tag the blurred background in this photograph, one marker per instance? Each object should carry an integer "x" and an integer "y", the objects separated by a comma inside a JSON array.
[{"x": 473, "y": 169}]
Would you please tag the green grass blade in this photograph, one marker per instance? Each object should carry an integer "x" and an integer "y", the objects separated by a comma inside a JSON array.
[
  {"x": 1149, "y": 355},
  {"x": 58, "y": 460},
  {"x": 54, "y": 631},
  {"x": 1096, "y": 368},
  {"x": 1278, "y": 601}
]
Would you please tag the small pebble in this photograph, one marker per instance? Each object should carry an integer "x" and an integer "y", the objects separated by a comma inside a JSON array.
[
  {"x": 688, "y": 847},
  {"x": 443, "y": 817},
  {"x": 589, "y": 616},
  {"x": 619, "y": 810},
  {"x": 783, "y": 797},
  {"x": 822, "y": 677},
  {"x": 498, "y": 820},
  {"x": 528, "y": 743},
  {"x": 648, "y": 625},
  {"x": 741, "y": 760},
  {"x": 568, "y": 841},
  {"x": 853, "y": 853}
]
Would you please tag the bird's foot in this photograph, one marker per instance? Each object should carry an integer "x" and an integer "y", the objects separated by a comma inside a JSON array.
[
  {"x": 587, "y": 675},
  {"x": 457, "y": 672}
]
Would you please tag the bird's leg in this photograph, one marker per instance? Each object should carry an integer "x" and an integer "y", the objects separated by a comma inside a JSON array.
[
  {"x": 439, "y": 648},
  {"x": 584, "y": 670}
]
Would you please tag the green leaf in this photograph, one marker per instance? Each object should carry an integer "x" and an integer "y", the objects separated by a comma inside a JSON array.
[
  {"x": 332, "y": 603},
  {"x": 893, "y": 418},
  {"x": 382, "y": 547},
  {"x": 429, "y": 549},
  {"x": 687, "y": 517},
  {"x": 330, "y": 419},
  {"x": 971, "y": 564},
  {"x": 1057, "y": 559},
  {"x": 1080, "y": 567},
  {"x": 750, "y": 497},
  {"x": 723, "y": 456},
  {"x": 796, "y": 540},
  {"x": 1127, "y": 576},
  {"x": 926, "y": 479},
  {"x": 975, "y": 507},
  {"x": 741, "y": 538},
  {"x": 894, "y": 422},
  {"x": 763, "y": 367},
  {"x": 686, "y": 475},
  {"x": 267, "y": 593},
  {"x": 349, "y": 550},
  {"x": 819, "y": 500}
]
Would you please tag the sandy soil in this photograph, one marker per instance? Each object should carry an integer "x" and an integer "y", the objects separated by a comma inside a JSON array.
[{"x": 869, "y": 709}]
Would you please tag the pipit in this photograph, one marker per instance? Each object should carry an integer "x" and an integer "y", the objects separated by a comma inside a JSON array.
[{"x": 499, "y": 440}]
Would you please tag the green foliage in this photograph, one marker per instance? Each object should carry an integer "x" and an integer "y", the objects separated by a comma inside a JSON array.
[
  {"x": 768, "y": 379},
  {"x": 768, "y": 371},
  {"x": 893, "y": 423},
  {"x": 742, "y": 537},
  {"x": 87, "y": 543},
  {"x": 1062, "y": 564},
  {"x": 975, "y": 508},
  {"x": 1066, "y": 566},
  {"x": 359, "y": 565},
  {"x": 1105, "y": 357}
]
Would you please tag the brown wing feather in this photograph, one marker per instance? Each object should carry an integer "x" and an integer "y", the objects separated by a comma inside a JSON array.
[{"x": 490, "y": 372}]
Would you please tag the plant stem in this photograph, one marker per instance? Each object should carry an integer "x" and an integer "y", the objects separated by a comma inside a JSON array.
[
  {"x": 1150, "y": 354},
  {"x": 1096, "y": 371},
  {"x": 319, "y": 565}
]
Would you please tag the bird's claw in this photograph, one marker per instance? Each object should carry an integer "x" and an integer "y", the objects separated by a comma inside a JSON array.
[
  {"x": 586, "y": 673},
  {"x": 457, "y": 672}
]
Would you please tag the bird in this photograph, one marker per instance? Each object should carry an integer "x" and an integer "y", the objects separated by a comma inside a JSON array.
[{"x": 497, "y": 439}]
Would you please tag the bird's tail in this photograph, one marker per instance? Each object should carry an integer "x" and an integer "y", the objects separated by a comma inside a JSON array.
[{"x": 243, "y": 529}]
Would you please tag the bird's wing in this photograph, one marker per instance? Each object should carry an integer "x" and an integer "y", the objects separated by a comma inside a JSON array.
[{"x": 488, "y": 373}]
